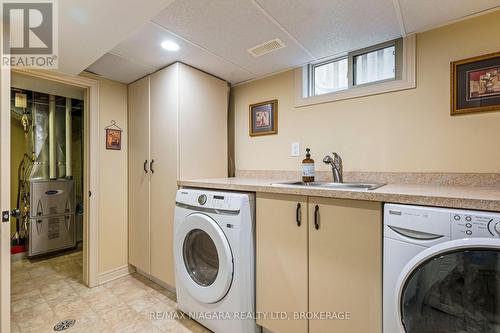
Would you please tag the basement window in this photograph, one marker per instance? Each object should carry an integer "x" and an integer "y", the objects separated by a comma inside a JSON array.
[
  {"x": 329, "y": 76},
  {"x": 372, "y": 66},
  {"x": 376, "y": 69}
]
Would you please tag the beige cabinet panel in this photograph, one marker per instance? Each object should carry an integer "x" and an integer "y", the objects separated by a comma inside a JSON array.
[
  {"x": 281, "y": 260},
  {"x": 164, "y": 104},
  {"x": 345, "y": 264},
  {"x": 138, "y": 179},
  {"x": 203, "y": 108},
  {"x": 178, "y": 123}
]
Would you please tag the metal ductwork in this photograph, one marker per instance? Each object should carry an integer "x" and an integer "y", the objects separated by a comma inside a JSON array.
[
  {"x": 52, "y": 140},
  {"x": 40, "y": 120},
  {"x": 52, "y": 137},
  {"x": 60, "y": 144}
]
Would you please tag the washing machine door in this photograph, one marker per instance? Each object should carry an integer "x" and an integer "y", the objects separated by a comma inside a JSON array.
[
  {"x": 203, "y": 258},
  {"x": 452, "y": 287}
]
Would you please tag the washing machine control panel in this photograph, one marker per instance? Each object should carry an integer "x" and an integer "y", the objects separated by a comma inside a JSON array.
[
  {"x": 221, "y": 202},
  {"x": 202, "y": 199},
  {"x": 215, "y": 201},
  {"x": 470, "y": 225},
  {"x": 212, "y": 200}
]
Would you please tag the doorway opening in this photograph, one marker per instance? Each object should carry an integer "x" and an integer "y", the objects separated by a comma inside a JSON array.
[{"x": 48, "y": 182}]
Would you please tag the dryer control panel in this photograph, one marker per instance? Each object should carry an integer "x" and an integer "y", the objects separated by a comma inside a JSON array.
[{"x": 469, "y": 224}]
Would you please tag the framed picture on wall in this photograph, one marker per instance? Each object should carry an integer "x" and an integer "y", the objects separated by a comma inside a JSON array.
[
  {"x": 113, "y": 139},
  {"x": 113, "y": 136},
  {"x": 264, "y": 118},
  {"x": 475, "y": 84}
]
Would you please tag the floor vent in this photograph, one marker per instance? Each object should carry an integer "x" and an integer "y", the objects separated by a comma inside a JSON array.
[
  {"x": 267, "y": 47},
  {"x": 64, "y": 325}
]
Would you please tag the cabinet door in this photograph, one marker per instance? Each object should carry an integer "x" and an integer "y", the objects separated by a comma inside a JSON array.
[
  {"x": 138, "y": 179},
  {"x": 345, "y": 265},
  {"x": 164, "y": 103},
  {"x": 203, "y": 109},
  {"x": 281, "y": 262}
]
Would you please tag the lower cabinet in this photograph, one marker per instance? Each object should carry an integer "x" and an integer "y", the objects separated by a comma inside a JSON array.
[
  {"x": 281, "y": 261},
  {"x": 320, "y": 261},
  {"x": 345, "y": 265}
]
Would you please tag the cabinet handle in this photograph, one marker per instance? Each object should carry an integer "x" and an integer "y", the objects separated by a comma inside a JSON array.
[
  {"x": 316, "y": 217},
  {"x": 298, "y": 215},
  {"x": 151, "y": 166},
  {"x": 146, "y": 166}
]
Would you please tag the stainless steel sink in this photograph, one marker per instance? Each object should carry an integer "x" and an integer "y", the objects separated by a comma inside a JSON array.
[{"x": 340, "y": 186}]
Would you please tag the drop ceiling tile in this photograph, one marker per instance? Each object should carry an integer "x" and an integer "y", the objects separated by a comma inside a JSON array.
[
  {"x": 144, "y": 46},
  {"x": 424, "y": 14},
  {"x": 228, "y": 28},
  {"x": 330, "y": 27},
  {"x": 119, "y": 69},
  {"x": 89, "y": 28}
]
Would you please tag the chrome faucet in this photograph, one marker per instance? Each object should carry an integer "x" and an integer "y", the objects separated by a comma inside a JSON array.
[{"x": 336, "y": 163}]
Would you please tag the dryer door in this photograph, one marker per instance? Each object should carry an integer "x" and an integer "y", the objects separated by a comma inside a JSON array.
[
  {"x": 452, "y": 287},
  {"x": 203, "y": 258}
]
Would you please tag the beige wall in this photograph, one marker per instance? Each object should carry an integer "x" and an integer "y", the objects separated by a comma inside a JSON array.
[
  {"x": 113, "y": 219},
  {"x": 402, "y": 131}
]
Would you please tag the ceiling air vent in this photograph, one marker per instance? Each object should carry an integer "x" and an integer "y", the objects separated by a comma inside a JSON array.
[{"x": 267, "y": 47}]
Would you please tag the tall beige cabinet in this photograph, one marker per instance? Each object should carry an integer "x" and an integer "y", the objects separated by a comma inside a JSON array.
[
  {"x": 138, "y": 178},
  {"x": 178, "y": 130}
]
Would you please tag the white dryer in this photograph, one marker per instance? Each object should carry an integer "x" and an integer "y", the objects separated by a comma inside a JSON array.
[
  {"x": 215, "y": 259},
  {"x": 441, "y": 270}
]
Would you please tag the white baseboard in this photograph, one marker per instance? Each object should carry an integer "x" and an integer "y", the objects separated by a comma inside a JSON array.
[{"x": 115, "y": 273}]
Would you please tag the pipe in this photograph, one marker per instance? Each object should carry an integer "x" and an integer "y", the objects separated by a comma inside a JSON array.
[
  {"x": 52, "y": 137},
  {"x": 69, "y": 140}
]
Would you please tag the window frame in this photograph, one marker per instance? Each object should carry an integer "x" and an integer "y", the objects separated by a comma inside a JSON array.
[
  {"x": 398, "y": 57},
  {"x": 405, "y": 76},
  {"x": 312, "y": 75}
]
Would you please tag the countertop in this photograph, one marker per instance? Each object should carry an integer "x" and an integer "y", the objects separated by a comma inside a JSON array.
[{"x": 465, "y": 197}]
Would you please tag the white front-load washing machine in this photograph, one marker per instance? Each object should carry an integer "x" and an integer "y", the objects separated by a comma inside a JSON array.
[
  {"x": 441, "y": 270},
  {"x": 214, "y": 253}
]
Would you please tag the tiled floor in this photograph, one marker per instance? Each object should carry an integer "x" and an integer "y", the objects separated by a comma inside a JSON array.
[{"x": 45, "y": 292}]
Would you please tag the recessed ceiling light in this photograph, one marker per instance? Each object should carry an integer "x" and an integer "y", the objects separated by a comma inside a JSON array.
[{"x": 170, "y": 46}]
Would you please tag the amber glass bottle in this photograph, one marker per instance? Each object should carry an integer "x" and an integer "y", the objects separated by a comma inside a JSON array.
[{"x": 308, "y": 168}]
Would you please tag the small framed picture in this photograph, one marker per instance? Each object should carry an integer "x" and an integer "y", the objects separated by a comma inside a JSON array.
[
  {"x": 264, "y": 118},
  {"x": 475, "y": 84},
  {"x": 113, "y": 139}
]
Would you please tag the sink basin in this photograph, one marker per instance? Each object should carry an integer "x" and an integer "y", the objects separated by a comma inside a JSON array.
[{"x": 340, "y": 186}]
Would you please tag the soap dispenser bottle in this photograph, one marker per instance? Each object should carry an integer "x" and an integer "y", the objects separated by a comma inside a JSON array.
[{"x": 308, "y": 168}]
